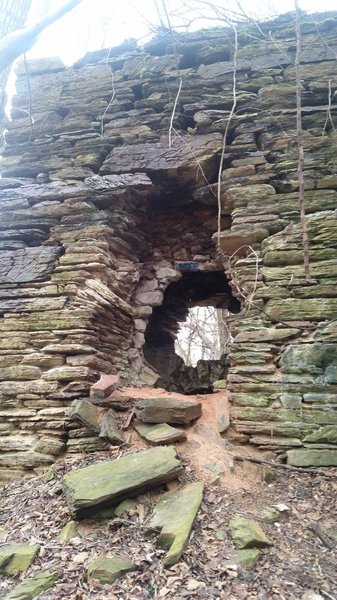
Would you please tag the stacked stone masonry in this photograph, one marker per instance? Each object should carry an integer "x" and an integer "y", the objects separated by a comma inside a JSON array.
[{"x": 107, "y": 193}]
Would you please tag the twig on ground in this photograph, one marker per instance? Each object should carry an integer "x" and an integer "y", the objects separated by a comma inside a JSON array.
[
  {"x": 325, "y": 539},
  {"x": 274, "y": 465}
]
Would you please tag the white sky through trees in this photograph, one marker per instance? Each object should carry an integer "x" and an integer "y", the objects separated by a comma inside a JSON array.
[{"x": 99, "y": 24}]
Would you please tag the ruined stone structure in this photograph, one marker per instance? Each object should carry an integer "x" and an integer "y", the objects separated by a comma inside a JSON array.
[{"x": 108, "y": 228}]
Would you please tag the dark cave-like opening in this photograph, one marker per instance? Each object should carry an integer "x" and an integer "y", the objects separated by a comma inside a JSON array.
[{"x": 195, "y": 288}]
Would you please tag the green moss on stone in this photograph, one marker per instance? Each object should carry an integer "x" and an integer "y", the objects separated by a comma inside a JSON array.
[
  {"x": 106, "y": 569},
  {"x": 247, "y": 534},
  {"x": 16, "y": 558},
  {"x": 174, "y": 515},
  {"x": 312, "y": 458},
  {"x": 31, "y": 588}
]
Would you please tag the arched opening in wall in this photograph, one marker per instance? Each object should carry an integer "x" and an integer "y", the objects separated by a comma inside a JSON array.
[
  {"x": 203, "y": 336},
  {"x": 200, "y": 289}
]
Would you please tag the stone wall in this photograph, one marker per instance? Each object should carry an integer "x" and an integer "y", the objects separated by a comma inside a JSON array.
[{"x": 105, "y": 196}]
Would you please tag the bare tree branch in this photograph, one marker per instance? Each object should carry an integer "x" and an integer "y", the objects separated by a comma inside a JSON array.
[{"x": 21, "y": 40}]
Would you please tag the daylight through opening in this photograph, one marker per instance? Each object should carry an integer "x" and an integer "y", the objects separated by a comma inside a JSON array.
[{"x": 180, "y": 336}]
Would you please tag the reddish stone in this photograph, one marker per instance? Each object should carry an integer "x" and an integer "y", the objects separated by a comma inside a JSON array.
[{"x": 104, "y": 387}]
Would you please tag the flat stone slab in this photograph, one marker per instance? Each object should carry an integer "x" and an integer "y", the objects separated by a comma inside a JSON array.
[
  {"x": 27, "y": 264},
  {"x": 174, "y": 516},
  {"x": 110, "y": 482},
  {"x": 16, "y": 558},
  {"x": 106, "y": 569},
  {"x": 30, "y": 588},
  {"x": 86, "y": 413},
  {"x": 312, "y": 458},
  {"x": 100, "y": 421},
  {"x": 109, "y": 430},
  {"x": 247, "y": 534},
  {"x": 116, "y": 401},
  {"x": 161, "y": 433},
  {"x": 167, "y": 410},
  {"x": 324, "y": 435},
  {"x": 104, "y": 387}
]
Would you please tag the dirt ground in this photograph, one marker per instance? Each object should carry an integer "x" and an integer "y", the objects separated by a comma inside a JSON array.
[{"x": 298, "y": 565}]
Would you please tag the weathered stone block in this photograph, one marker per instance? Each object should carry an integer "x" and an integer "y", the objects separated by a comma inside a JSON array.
[
  {"x": 247, "y": 534},
  {"x": 16, "y": 558},
  {"x": 110, "y": 482},
  {"x": 167, "y": 410},
  {"x": 27, "y": 264},
  {"x": 174, "y": 516},
  {"x": 109, "y": 430},
  {"x": 294, "y": 309},
  {"x": 107, "y": 569},
  {"x": 31, "y": 588},
  {"x": 104, "y": 387},
  {"x": 159, "y": 434},
  {"x": 312, "y": 458}
]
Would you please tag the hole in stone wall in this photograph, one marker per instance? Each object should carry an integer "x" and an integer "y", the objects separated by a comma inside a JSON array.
[
  {"x": 188, "y": 59},
  {"x": 186, "y": 122},
  {"x": 194, "y": 289},
  {"x": 203, "y": 335},
  {"x": 138, "y": 91}
]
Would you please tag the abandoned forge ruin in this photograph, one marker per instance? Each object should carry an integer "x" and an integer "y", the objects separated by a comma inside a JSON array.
[{"x": 109, "y": 220}]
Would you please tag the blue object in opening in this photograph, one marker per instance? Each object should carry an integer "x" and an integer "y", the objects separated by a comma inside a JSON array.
[{"x": 188, "y": 266}]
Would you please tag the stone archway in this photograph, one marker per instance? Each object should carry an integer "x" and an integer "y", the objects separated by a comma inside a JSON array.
[{"x": 195, "y": 288}]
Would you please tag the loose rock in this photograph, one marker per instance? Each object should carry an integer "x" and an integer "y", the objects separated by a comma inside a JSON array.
[
  {"x": 167, "y": 410},
  {"x": 109, "y": 482},
  {"x": 106, "y": 569},
  {"x": 30, "y": 588},
  {"x": 174, "y": 515},
  {"x": 159, "y": 434},
  {"x": 247, "y": 534}
]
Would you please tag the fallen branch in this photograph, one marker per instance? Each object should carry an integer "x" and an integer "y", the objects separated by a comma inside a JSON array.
[
  {"x": 129, "y": 419},
  {"x": 327, "y": 595},
  {"x": 325, "y": 539},
  {"x": 275, "y": 465}
]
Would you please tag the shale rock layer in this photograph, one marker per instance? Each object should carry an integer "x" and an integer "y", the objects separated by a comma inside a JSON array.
[{"x": 103, "y": 205}]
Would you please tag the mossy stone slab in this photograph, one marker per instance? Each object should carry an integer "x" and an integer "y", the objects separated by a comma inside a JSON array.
[
  {"x": 174, "y": 516},
  {"x": 86, "y": 413},
  {"x": 309, "y": 309},
  {"x": 324, "y": 435},
  {"x": 68, "y": 531},
  {"x": 160, "y": 433},
  {"x": 107, "y": 483},
  {"x": 109, "y": 430},
  {"x": 16, "y": 558},
  {"x": 106, "y": 569},
  {"x": 31, "y": 588},
  {"x": 247, "y": 533},
  {"x": 305, "y": 457}
]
